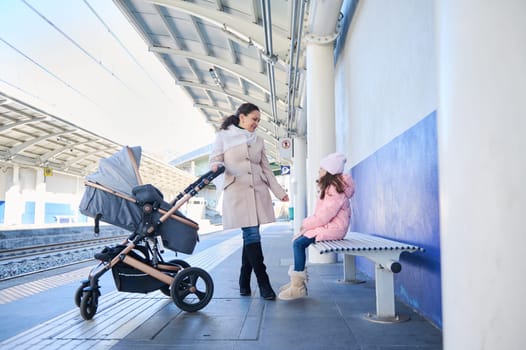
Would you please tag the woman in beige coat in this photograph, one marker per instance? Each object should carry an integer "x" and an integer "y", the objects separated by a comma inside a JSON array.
[{"x": 246, "y": 199}]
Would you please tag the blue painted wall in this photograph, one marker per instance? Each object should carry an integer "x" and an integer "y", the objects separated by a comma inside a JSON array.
[
  {"x": 29, "y": 213},
  {"x": 397, "y": 197},
  {"x": 54, "y": 209}
]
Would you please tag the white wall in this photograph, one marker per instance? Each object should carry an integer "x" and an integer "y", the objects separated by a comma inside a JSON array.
[
  {"x": 6, "y": 175},
  {"x": 61, "y": 183},
  {"x": 385, "y": 75},
  {"x": 27, "y": 179},
  {"x": 59, "y": 188}
]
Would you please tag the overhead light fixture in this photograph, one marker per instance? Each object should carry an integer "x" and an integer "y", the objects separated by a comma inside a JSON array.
[
  {"x": 216, "y": 78},
  {"x": 237, "y": 36}
]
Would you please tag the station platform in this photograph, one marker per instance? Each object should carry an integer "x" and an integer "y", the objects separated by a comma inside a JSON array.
[{"x": 331, "y": 317}]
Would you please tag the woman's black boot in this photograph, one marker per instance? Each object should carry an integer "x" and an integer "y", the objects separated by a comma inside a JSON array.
[
  {"x": 255, "y": 256},
  {"x": 244, "y": 275}
]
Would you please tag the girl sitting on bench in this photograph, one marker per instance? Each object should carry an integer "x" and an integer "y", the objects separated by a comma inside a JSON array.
[{"x": 330, "y": 220}]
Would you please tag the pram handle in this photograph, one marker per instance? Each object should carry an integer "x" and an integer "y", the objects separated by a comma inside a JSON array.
[
  {"x": 201, "y": 182},
  {"x": 191, "y": 191}
]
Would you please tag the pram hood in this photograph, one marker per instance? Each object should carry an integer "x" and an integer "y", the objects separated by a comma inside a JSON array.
[{"x": 118, "y": 171}]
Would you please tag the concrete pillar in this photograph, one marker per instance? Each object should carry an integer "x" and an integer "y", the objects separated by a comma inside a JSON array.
[
  {"x": 482, "y": 167},
  {"x": 14, "y": 203},
  {"x": 298, "y": 183},
  {"x": 320, "y": 119},
  {"x": 320, "y": 110},
  {"x": 40, "y": 197}
]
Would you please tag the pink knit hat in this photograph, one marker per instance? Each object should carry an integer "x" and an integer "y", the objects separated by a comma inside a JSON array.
[{"x": 333, "y": 163}]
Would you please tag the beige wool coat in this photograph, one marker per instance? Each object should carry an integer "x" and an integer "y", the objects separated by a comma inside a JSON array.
[{"x": 248, "y": 179}]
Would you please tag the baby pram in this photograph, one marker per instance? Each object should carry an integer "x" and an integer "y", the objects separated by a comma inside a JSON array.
[{"x": 115, "y": 194}]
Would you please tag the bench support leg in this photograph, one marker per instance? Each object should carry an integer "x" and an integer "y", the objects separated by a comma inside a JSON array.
[
  {"x": 349, "y": 269},
  {"x": 385, "y": 303},
  {"x": 385, "y": 300}
]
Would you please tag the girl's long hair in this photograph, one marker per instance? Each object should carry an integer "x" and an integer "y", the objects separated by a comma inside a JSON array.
[
  {"x": 245, "y": 109},
  {"x": 329, "y": 179}
]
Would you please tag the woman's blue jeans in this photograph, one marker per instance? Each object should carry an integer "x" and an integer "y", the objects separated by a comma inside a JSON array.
[
  {"x": 251, "y": 235},
  {"x": 298, "y": 246}
]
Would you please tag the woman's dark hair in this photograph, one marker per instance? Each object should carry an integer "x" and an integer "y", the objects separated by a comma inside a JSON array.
[
  {"x": 245, "y": 109},
  {"x": 329, "y": 179}
]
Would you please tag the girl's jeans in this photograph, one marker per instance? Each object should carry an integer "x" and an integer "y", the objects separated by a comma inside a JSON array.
[
  {"x": 251, "y": 235},
  {"x": 300, "y": 244}
]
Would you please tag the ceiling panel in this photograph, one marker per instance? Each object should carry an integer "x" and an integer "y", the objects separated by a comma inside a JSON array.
[
  {"x": 226, "y": 52},
  {"x": 30, "y": 137}
]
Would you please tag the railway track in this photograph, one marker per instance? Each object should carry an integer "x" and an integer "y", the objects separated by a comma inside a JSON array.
[
  {"x": 10, "y": 254},
  {"x": 29, "y": 260}
]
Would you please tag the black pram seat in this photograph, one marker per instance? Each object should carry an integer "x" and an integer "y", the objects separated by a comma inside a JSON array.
[{"x": 121, "y": 204}]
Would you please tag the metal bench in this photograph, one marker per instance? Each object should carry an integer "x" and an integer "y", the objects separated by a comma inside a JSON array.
[{"x": 385, "y": 254}]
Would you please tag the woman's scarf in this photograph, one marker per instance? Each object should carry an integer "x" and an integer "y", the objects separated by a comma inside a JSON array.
[
  {"x": 226, "y": 139},
  {"x": 234, "y": 136},
  {"x": 231, "y": 137}
]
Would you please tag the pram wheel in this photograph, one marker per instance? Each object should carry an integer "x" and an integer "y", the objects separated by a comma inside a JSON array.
[
  {"x": 88, "y": 304},
  {"x": 192, "y": 280},
  {"x": 166, "y": 288},
  {"x": 80, "y": 291}
]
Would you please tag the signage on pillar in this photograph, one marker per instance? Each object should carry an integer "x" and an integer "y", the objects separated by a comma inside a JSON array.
[
  {"x": 48, "y": 171},
  {"x": 285, "y": 148}
]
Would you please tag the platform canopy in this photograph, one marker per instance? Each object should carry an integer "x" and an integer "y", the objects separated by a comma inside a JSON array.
[
  {"x": 226, "y": 52},
  {"x": 221, "y": 52},
  {"x": 31, "y": 137}
]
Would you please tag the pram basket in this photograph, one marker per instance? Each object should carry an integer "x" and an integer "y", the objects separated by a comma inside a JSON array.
[{"x": 115, "y": 195}]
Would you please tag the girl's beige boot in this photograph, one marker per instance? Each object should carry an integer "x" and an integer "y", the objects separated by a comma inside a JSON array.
[{"x": 297, "y": 288}]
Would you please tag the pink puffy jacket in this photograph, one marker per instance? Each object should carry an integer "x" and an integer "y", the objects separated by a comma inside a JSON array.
[{"x": 332, "y": 214}]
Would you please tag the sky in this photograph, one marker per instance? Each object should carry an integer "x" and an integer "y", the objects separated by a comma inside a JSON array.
[{"x": 82, "y": 61}]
